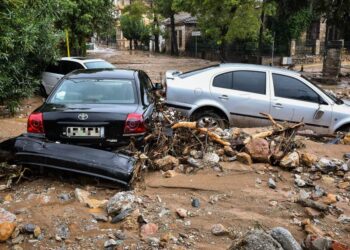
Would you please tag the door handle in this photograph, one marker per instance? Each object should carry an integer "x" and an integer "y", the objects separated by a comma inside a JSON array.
[
  {"x": 278, "y": 105},
  {"x": 223, "y": 97}
]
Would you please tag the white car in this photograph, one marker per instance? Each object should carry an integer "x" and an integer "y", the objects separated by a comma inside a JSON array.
[
  {"x": 65, "y": 65},
  {"x": 236, "y": 94}
]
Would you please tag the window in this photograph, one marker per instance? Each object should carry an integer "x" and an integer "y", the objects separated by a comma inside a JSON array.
[
  {"x": 93, "y": 91},
  {"x": 223, "y": 81},
  {"x": 68, "y": 66},
  {"x": 53, "y": 68},
  {"x": 99, "y": 65},
  {"x": 180, "y": 38},
  {"x": 250, "y": 81},
  {"x": 146, "y": 88},
  {"x": 291, "y": 88}
]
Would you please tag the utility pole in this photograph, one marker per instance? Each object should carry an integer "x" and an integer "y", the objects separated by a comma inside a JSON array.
[{"x": 67, "y": 43}]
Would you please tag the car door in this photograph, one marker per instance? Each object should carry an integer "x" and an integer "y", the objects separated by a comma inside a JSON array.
[
  {"x": 294, "y": 101},
  {"x": 51, "y": 76},
  {"x": 245, "y": 94}
]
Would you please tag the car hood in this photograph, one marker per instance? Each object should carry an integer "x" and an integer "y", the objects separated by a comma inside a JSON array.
[{"x": 95, "y": 108}]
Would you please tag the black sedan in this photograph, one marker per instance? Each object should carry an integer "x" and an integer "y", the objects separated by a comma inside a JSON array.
[{"x": 103, "y": 108}]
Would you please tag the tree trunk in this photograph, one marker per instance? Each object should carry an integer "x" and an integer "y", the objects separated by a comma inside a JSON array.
[
  {"x": 174, "y": 48},
  {"x": 156, "y": 35},
  {"x": 222, "y": 52},
  {"x": 261, "y": 32},
  {"x": 130, "y": 44}
]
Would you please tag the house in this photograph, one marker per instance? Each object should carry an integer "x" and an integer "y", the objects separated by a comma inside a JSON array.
[{"x": 185, "y": 24}]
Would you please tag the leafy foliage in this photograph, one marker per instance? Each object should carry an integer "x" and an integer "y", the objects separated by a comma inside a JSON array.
[{"x": 28, "y": 40}]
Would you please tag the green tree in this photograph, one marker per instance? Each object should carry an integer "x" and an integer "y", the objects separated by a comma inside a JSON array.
[
  {"x": 132, "y": 23},
  {"x": 168, "y": 10},
  {"x": 83, "y": 18},
  {"x": 28, "y": 42},
  {"x": 224, "y": 21}
]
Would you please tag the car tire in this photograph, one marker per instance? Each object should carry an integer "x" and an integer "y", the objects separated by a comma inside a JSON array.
[{"x": 210, "y": 119}]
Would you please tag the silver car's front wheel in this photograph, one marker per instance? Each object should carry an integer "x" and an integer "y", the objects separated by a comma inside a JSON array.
[{"x": 210, "y": 119}]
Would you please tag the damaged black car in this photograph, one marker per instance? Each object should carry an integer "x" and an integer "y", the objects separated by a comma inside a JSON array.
[{"x": 98, "y": 108}]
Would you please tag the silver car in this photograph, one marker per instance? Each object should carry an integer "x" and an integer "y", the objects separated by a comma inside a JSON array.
[{"x": 236, "y": 94}]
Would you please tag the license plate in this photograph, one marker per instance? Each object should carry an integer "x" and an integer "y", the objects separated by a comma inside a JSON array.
[{"x": 85, "y": 132}]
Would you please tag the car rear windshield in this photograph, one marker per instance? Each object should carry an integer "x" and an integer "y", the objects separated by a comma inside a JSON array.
[
  {"x": 94, "y": 91},
  {"x": 99, "y": 65}
]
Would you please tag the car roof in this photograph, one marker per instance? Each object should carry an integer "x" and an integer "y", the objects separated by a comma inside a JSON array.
[
  {"x": 81, "y": 59},
  {"x": 241, "y": 66},
  {"x": 102, "y": 73}
]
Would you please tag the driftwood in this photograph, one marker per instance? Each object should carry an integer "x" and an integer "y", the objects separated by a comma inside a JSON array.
[
  {"x": 193, "y": 125},
  {"x": 313, "y": 204}
]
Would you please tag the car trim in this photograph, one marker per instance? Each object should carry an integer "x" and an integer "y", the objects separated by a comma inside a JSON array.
[
  {"x": 139, "y": 134},
  {"x": 178, "y": 106},
  {"x": 279, "y": 120}
]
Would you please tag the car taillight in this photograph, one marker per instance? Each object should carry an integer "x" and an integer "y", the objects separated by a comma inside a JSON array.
[
  {"x": 35, "y": 123},
  {"x": 134, "y": 124}
]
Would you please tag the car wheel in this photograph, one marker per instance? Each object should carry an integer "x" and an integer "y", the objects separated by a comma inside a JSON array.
[{"x": 210, "y": 119}]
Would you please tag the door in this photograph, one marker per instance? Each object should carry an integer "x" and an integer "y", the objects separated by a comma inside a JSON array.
[
  {"x": 294, "y": 101},
  {"x": 51, "y": 76},
  {"x": 245, "y": 94}
]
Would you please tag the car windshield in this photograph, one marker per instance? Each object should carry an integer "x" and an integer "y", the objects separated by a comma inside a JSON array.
[
  {"x": 99, "y": 65},
  {"x": 328, "y": 93},
  {"x": 94, "y": 91}
]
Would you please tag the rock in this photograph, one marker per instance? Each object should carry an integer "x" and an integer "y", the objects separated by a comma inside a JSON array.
[
  {"x": 182, "y": 213},
  {"x": 148, "y": 230},
  {"x": 272, "y": 183},
  {"x": 347, "y": 177},
  {"x": 18, "y": 240},
  {"x": 167, "y": 163},
  {"x": 285, "y": 238},
  {"x": 153, "y": 242},
  {"x": 258, "y": 181},
  {"x": 166, "y": 237},
  {"x": 219, "y": 230},
  {"x": 347, "y": 156},
  {"x": 120, "y": 202},
  {"x": 319, "y": 192},
  {"x": 211, "y": 159},
  {"x": 300, "y": 182},
  {"x": 16, "y": 247},
  {"x": 344, "y": 219},
  {"x": 258, "y": 149},
  {"x": 100, "y": 217},
  {"x": 346, "y": 140},
  {"x": 345, "y": 167},
  {"x": 304, "y": 195},
  {"x": 64, "y": 197},
  {"x": 344, "y": 185},
  {"x": 308, "y": 159},
  {"x": 169, "y": 174},
  {"x": 196, "y": 154},
  {"x": 6, "y": 229},
  {"x": 311, "y": 229},
  {"x": 122, "y": 215},
  {"x": 195, "y": 202},
  {"x": 313, "y": 242},
  {"x": 110, "y": 243},
  {"x": 313, "y": 213},
  {"x": 120, "y": 235},
  {"x": 229, "y": 151},
  {"x": 326, "y": 165},
  {"x": 195, "y": 162},
  {"x": 244, "y": 158},
  {"x": 37, "y": 232},
  {"x": 6, "y": 216},
  {"x": 62, "y": 232},
  {"x": 83, "y": 197},
  {"x": 28, "y": 228},
  {"x": 290, "y": 160},
  {"x": 256, "y": 240},
  {"x": 329, "y": 199},
  {"x": 273, "y": 203}
]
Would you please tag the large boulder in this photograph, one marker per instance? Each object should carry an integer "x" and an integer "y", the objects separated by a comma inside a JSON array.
[
  {"x": 256, "y": 240},
  {"x": 258, "y": 149},
  {"x": 285, "y": 238},
  {"x": 6, "y": 229},
  {"x": 290, "y": 160},
  {"x": 120, "y": 202}
]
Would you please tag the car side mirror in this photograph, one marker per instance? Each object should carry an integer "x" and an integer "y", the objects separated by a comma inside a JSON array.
[{"x": 158, "y": 86}]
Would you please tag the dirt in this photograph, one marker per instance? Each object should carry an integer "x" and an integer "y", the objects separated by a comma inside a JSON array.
[{"x": 233, "y": 198}]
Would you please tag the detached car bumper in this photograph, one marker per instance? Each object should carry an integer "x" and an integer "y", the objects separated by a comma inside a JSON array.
[{"x": 94, "y": 162}]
